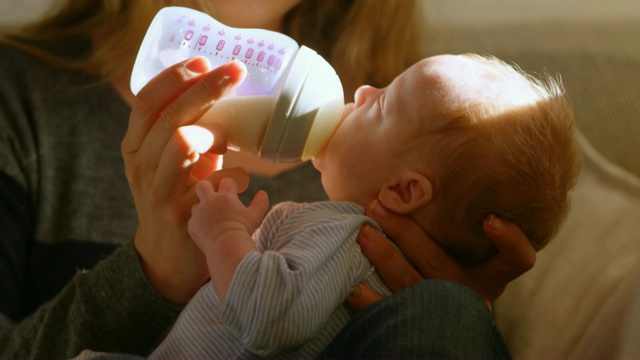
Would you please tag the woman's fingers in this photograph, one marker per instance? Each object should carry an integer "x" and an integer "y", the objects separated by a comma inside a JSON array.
[
  {"x": 516, "y": 256},
  {"x": 187, "y": 109},
  {"x": 161, "y": 154},
  {"x": 152, "y": 135},
  {"x": 182, "y": 159},
  {"x": 515, "y": 250},
  {"x": 206, "y": 165},
  {"x": 156, "y": 95},
  {"x": 392, "y": 267},
  {"x": 207, "y": 146},
  {"x": 426, "y": 256},
  {"x": 362, "y": 297}
]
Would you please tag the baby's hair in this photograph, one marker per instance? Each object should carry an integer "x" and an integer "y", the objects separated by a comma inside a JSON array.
[{"x": 514, "y": 159}]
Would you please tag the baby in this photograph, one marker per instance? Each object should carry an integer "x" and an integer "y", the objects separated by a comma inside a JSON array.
[{"x": 449, "y": 141}]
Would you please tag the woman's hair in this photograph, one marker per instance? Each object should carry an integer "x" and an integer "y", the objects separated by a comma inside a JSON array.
[
  {"x": 367, "y": 41},
  {"x": 516, "y": 162}
]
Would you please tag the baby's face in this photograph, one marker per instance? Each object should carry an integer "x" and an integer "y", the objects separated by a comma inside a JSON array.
[
  {"x": 378, "y": 134},
  {"x": 367, "y": 146}
]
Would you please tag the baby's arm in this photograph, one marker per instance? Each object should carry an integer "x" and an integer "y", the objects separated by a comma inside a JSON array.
[
  {"x": 283, "y": 294},
  {"x": 221, "y": 226}
]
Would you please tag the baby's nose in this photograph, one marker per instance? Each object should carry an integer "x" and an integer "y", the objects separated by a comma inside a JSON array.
[{"x": 362, "y": 93}]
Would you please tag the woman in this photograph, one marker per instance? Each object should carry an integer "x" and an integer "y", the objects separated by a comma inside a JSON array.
[{"x": 65, "y": 197}]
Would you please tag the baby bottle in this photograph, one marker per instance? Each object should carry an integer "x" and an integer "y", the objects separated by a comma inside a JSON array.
[{"x": 287, "y": 107}]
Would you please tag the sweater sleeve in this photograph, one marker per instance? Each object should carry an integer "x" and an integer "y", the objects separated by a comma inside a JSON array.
[
  {"x": 281, "y": 297},
  {"x": 111, "y": 308},
  {"x": 48, "y": 143},
  {"x": 16, "y": 225}
]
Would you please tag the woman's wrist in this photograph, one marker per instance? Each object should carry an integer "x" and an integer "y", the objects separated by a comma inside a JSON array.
[{"x": 176, "y": 281}]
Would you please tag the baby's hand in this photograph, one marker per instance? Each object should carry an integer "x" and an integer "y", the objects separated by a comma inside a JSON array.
[{"x": 221, "y": 214}]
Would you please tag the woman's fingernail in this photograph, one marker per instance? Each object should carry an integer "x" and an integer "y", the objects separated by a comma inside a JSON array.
[
  {"x": 365, "y": 235},
  {"x": 496, "y": 223},
  {"x": 377, "y": 209},
  {"x": 232, "y": 73},
  {"x": 198, "y": 65},
  {"x": 237, "y": 69}
]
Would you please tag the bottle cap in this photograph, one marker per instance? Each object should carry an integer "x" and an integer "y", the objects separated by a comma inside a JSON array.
[{"x": 307, "y": 110}]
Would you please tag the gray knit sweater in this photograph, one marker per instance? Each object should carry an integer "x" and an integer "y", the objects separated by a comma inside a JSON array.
[{"x": 65, "y": 206}]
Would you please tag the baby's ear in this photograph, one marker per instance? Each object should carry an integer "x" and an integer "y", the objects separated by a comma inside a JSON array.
[{"x": 409, "y": 192}]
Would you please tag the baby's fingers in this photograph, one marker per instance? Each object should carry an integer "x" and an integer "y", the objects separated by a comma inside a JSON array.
[
  {"x": 228, "y": 185},
  {"x": 258, "y": 207},
  {"x": 203, "y": 188},
  {"x": 238, "y": 175}
]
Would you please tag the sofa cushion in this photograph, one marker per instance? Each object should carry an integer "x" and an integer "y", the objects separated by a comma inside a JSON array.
[{"x": 576, "y": 300}]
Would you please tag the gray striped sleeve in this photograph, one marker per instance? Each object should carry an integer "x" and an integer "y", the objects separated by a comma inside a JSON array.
[
  {"x": 280, "y": 298},
  {"x": 287, "y": 297}
]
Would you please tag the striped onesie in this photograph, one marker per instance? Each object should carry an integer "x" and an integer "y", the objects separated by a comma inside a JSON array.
[{"x": 287, "y": 296}]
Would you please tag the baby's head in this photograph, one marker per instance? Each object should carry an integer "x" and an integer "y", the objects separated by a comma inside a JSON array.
[{"x": 453, "y": 139}]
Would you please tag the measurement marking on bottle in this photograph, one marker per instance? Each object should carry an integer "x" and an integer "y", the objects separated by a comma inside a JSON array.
[{"x": 262, "y": 55}]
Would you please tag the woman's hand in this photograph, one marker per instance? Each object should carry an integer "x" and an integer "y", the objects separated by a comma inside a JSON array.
[
  {"x": 165, "y": 155},
  {"x": 516, "y": 256}
]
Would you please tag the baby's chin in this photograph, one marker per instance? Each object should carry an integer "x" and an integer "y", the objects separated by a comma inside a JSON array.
[{"x": 318, "y": 161}]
